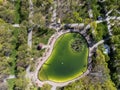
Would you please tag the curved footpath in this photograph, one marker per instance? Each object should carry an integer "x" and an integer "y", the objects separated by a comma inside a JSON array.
[
  {"x": 34, "y": 75},
  {"x": 49, "y": 48},
  {"x": 43, "y": 59}
]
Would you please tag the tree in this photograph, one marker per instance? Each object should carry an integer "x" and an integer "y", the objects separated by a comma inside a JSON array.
[
  {"x": 41, "y": 21},
  {"x": 46, "y": 87},
  {"x": 20, "y": 84}
]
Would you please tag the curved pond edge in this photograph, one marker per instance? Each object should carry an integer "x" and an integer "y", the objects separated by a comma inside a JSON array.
[
  {"x": 63, "y": 32},
  {"x": 77, "y": 73},
  {"x": 40, "y": 62}
]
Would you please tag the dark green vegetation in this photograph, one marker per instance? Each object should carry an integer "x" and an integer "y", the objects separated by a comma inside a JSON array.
[
  {"x": 72, "y": 11},
  {"x": 6, "y": 49},
  {"x": 7, "y": 12},
  {"x": 45, "y": 87},
  {"x": 76, "y": 11},
  {"x": 100, "y": 31},
  {"x": 115, "y": 55},
  {"x": 14, "y": 11},
  {"x": 43, "y": 11},
  {"x": 77, "y": 44},
  {"x": 65, "y": 64},
  {"x": 17, "y": 7},
  {"x": 40, "y": 35},
  {"x": 101, "y": 8},
  {"x": 14, "y": 53},
  {"x": 11, "y": 83},
  {"x": 98, "y": 79}
]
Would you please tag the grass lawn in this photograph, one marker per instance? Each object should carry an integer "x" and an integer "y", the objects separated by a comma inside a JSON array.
[
  {"x": 1, "y": 1},
  {"x": 11, "y": 83},
  {"x": 64, "y": 64}
]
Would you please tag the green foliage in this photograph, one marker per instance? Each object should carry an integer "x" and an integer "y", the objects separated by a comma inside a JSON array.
[
  {"x": 7, "y": 48},
  {"x": 78, "y": 44},
  {"x": 64, "y": 64},
  {"x": 46, "y": 3},
  {"x": 115, "y": 39},
  {"x": 20, "y": 83},
  {"x": 97, "y": 79},
  {"x": 72, "y": 12},
  {"x": 100, "y": 31},
  {"x": 93, "y": 25},
  {"x": 77, "y": 17},
  {"x": 95, "y": 9},
  {"x": 96, "y": 12},
  {"x": 17, "y": 11},
  {"x": 41, "y": 35},
  {"x": 74, "y": 19},
  {"x": 24, "y": 10},
  {"x": 11, "y": 83},
  {"x": 7, "y": 12},
  {"x": 42, "y": 10},
  {"x": 46, "y": 87},
  {"x": 14, "y": 57},
  {"x": 115, "y": 56},
  {"x": 87, "y": 21},
  {"x": 116, "y": 30},
  {"x": 14, "y": 11},
  {"x": 112, "y": 4},
  {"x": 40, "y": 21},
  {"x": 1, "y": 1}
]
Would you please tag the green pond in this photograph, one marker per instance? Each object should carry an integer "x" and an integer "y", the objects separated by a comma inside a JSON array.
[{"x": 64, "y": 63}]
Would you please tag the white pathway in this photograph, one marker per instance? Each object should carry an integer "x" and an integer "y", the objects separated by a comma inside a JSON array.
[
  {"x": 16, "y": 25},
  {"x": 9, "y": 77},
  {"x": 31, "y": 22},
  {"x": 49, "y": 48},
  {"x": 90, "y": 13},
  {"x": 43, "y": 59}
]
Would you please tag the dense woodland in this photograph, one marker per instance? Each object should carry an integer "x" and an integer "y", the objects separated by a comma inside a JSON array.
[
  {"x": 115, "y": 55},
  {"x": 15, "y": 55}
]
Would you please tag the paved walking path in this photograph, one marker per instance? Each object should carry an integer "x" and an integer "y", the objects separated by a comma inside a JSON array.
[
  {"x": 49, "y": 47},
  {"x": 16, "y": 25},
  {"x": 47, "y": 53},
  {"x": 31, "y": 22},
  {"x": 9, "y": 77},
  {"x": 43, "y": 59}
]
